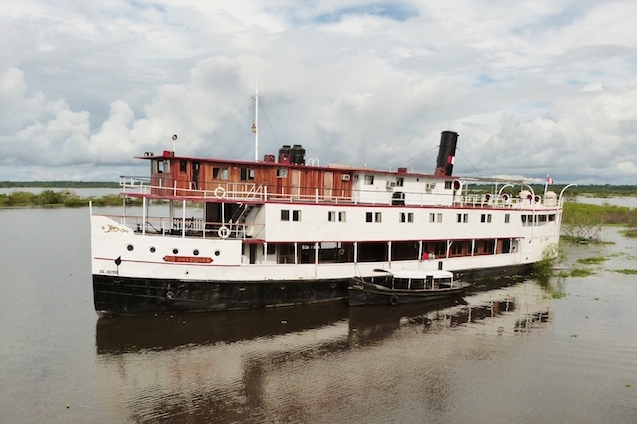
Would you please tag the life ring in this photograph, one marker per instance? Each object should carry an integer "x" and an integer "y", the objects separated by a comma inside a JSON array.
[
  {"x": 220, "y": 192},
  {"x": 223, "y": 232},
  {"x": 505, "y": 197},
  {"x": 393, "y": 300},
  {"x": 487, "y": 197}
]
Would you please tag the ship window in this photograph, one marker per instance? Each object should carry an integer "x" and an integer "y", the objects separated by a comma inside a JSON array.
[
  {"x": 296, "y": 215},
  {"x": 438, "y": 217},
  {"x": 432, "y": 217},
  {"x": 152, "y": 250},
  {"x": 217, "y": 253},
  {"x": 369, "y": 179},
  {"x": 160, "y": 166},
  {"x": 331, "y": 216},
  {"x": 220, "y": 173},
  {"x": 459, "y": 217},
  {"x": 182, "y": 166},
  {"x": 552, "y": 217},
  {"x": 285, "y": 215},
  {"x": 281, "y": 173},
  {"x": 378, "y": 217},
  {"x": 368, "y": 216},
  {"x": 507, "y": 218},
  {"x": 400, "y": 181},
  {"x": 130, "y": 247},
  {"x": 247, "y": 174},
  {"x": 175, "y": 251},
  {"x": 195, "y": 252},
  {"x": 485, "y": 217},
  {"x": 448, "y": 185},
  {"x": 406, "y": 217}
]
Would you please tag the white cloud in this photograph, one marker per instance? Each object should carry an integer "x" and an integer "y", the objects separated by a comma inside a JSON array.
[{"x": 532, "y": 88}]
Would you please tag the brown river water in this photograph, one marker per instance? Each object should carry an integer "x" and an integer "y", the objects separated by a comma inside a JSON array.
[{"x": 508, "y": 351}]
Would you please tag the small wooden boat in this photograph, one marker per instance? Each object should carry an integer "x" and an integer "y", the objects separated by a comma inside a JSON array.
[{"x": 403, "y": 286}]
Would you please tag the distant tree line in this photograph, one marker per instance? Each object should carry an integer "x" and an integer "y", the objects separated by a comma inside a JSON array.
[
  {"x": 65, "y": 198},
  {"x": 58, "y": 184}
]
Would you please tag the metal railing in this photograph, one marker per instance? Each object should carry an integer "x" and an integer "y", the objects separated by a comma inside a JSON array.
[{"x": 251, "y": 192}]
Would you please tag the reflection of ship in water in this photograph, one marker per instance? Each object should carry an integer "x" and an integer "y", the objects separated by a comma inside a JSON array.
[
  {"x": 518, "y": 307},
  {"x": 162, "y": 332},
  {"x": 301, "y": 364}
]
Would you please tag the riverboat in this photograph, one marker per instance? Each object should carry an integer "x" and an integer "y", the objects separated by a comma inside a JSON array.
[
  {"x": 220, "y": 234},
  {"x": 400, "y": 286}
]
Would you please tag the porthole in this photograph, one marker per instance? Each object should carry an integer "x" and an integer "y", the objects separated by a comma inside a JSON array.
[
  {"x": 152, "y": 250},
  {"x": 195, "y": 252},
  {"x": 130, "y": 247},
  {"x": 175, "y": 251},
  {"x": 217, "y": 252}
]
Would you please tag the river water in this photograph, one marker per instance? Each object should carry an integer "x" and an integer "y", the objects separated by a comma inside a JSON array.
[{"x": 507, "y": 352}]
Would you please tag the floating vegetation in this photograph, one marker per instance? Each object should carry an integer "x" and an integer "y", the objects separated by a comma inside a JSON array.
[
  {"x": 627, "y": 271},
  {"x": 584, "y": 241},
  {"x": 581, "y": 272},
  {"x": 558, "y": 295},
  {"x": 573, "y": 335},
  {"x": 631, "y": 232},
  {"x": 595, "y": 260},
  {"x": 543, "y": 269}
]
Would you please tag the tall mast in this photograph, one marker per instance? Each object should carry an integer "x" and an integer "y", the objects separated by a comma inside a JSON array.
[{"x": 255, "y": 127}]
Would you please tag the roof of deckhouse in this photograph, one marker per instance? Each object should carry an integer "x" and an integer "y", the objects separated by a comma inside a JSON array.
[{"x": 167, "y": 155}]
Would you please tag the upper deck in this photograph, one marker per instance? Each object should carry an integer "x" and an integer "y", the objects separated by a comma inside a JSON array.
[{"x": 289, "y": 178}]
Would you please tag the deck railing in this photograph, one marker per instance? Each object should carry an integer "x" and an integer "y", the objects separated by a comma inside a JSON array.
[
  {"x": 251, "y": 192},
  {"x": 189, "y": 227}
]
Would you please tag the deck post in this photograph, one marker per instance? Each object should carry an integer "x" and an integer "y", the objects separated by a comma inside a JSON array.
[
  {"x": 183, "y": 218},
  {"x": 144, "y": 206}
]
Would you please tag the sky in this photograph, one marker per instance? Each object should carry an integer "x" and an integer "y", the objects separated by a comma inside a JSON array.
[{"x": 532, "y": 87}]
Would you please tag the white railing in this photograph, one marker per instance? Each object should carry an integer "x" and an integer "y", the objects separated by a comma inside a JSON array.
[
  {"x": 239, "y": 192},
  {"x": 188, "y": 227}
]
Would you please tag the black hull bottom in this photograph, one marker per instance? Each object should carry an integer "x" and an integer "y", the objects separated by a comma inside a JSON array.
[
  {"x": 477, "y": 274},
  {"x": 132, "y": 296}
]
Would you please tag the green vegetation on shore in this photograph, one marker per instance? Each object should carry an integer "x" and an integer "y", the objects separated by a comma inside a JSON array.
[
  {"x": 50, "y": 198},
  {"x": 583, "y": 221},
  {"x": 58, "y": 184}
]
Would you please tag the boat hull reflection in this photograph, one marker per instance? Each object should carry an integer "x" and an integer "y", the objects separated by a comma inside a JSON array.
[{"x": 304, "y": 364}]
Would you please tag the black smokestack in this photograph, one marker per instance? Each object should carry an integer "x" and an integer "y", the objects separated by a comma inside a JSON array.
[{"x": 446, "y": 153}]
